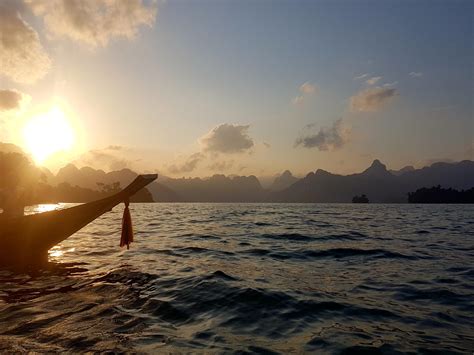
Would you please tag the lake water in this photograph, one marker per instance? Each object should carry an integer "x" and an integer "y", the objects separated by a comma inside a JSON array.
[{"x": 256, "y": 278}]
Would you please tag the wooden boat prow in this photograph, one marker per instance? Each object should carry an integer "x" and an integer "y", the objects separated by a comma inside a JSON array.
[{"x": 26, "y": 240}]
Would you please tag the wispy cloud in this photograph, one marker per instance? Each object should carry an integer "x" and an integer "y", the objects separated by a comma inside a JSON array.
[
  {"x": 362, "y": 76},
  {"x": 297, "y": 100},
  {"x": 415, "y": 74},
  {"x": 390, "y": 84},
  {"x": 372, "y": 99},
  {"x": 188, "y": 165},
  {"x": 227, "y": 138},
  {"x": 221, "y": 166},
  {"x": 307, "y": 89},
  {"x": 108, "y": 158},
  {"x": 373, "y": 80},
  {"x": 327, "y": 138}
]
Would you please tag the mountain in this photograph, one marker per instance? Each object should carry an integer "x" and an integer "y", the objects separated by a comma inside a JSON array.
[
  {"x": 377, "y": 183},
  {"x": 283, "y": 181},
  {"x": 376, "y": 170},
  {"x": 92, "y": 179},
  {"x": 10, "y": 148},
  {"x": 89, "y": 178},
  {"x": 162, "y": 193},
  {"x": 402, "y": 170},
  {"x": 218, "y": 188},
  {"x": 21, "y": 180},
  {"x": 455, "y": 175}
]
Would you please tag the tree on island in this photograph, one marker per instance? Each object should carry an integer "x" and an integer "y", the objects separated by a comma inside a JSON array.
[
  {"x": 19, "y": 180},
  {"x": 360, "y": 199},
  {"x": 437, "y": 194}
]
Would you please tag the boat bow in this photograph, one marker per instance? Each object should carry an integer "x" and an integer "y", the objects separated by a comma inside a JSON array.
[{"x": 26, "y": 240}]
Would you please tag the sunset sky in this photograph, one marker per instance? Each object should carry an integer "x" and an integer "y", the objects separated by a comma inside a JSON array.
[{"x": 194, "y": 88}]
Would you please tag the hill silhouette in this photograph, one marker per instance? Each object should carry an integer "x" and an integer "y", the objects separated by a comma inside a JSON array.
[
  {"x": 283, "y": 181},
  {"x": 22, "y": 183},
  {"x": 378, "y": 183},
  {"x": 402, "y": 170},
  {"x": 217, "y": 188}
]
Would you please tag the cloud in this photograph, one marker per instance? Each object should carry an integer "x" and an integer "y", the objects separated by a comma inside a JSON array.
[
  {"x": 390, "y": 84},
  {"x": 328, "y": 138},
  {"x": 371, "y": 100},
  {"x": 94, "y": 22},
  {"x": 227, "y": 139},
  {"x": 221, "y": 166},
  {"x": 361, "y": 76},
  {"x": 373, "y": 80},
  {"x": 115, "y": 147},
  {"x": 415, "y": 74},
  {"x": 189, "y": 165},
  {"x": 267, "y": 145},
  {"x": 306, "y": 89},
  {"x": 297, "y": 100},
  {"x": 104, "y": 159},
  {"x": 12, "y": 99},
  {"x": 22, "y": 57}
]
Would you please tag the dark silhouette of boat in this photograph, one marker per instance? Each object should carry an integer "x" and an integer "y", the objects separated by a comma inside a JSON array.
[
  {"x": 360, "y": 199},
  {"x": 25, "y": 240}
]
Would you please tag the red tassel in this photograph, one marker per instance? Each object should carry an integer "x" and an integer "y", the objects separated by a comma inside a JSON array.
[{"x": 127, "y": 229}]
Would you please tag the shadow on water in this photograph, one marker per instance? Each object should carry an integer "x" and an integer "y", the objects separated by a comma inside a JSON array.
[
  {"x": 25, "y": 276},
  {"x": 59, "y": 307}
]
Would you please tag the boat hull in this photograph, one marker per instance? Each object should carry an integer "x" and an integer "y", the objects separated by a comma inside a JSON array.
[{"x": 26, "y": 240}]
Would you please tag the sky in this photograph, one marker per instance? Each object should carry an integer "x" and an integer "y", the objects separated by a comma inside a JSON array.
[{"x": 195, "y": 88}]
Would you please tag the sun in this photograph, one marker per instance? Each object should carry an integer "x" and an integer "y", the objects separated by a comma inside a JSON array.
[{"x": 48, "y": 133}]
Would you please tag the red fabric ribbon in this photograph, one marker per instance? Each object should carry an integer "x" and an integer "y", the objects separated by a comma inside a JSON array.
[{"x": 127, "y": 229}]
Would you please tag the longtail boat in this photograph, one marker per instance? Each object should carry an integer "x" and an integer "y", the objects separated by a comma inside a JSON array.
[{"x": 25, "y": 240}]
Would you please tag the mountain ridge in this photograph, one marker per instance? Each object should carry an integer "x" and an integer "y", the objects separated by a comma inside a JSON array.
[{"x": 377, "y": 182}]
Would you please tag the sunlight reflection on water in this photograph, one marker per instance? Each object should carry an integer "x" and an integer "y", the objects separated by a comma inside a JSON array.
[
  {"x": 46, "y": 207},
  {"x": 56, "y": 252}
]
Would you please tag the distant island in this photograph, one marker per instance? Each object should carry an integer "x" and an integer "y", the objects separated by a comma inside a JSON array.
[
  {"x": 437, "y": 194},
  {"x": 73, "y": 184}
]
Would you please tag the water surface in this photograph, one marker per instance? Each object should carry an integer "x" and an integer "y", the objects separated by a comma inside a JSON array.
[{"x": 258, "y": 278}]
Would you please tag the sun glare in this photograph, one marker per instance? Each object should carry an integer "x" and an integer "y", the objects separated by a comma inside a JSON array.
[{"x": 47, "y": 134}]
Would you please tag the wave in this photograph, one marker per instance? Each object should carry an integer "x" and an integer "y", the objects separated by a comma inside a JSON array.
[
  {"x": 288, "y": 236},
  {"x": 335, "y": 253}
]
